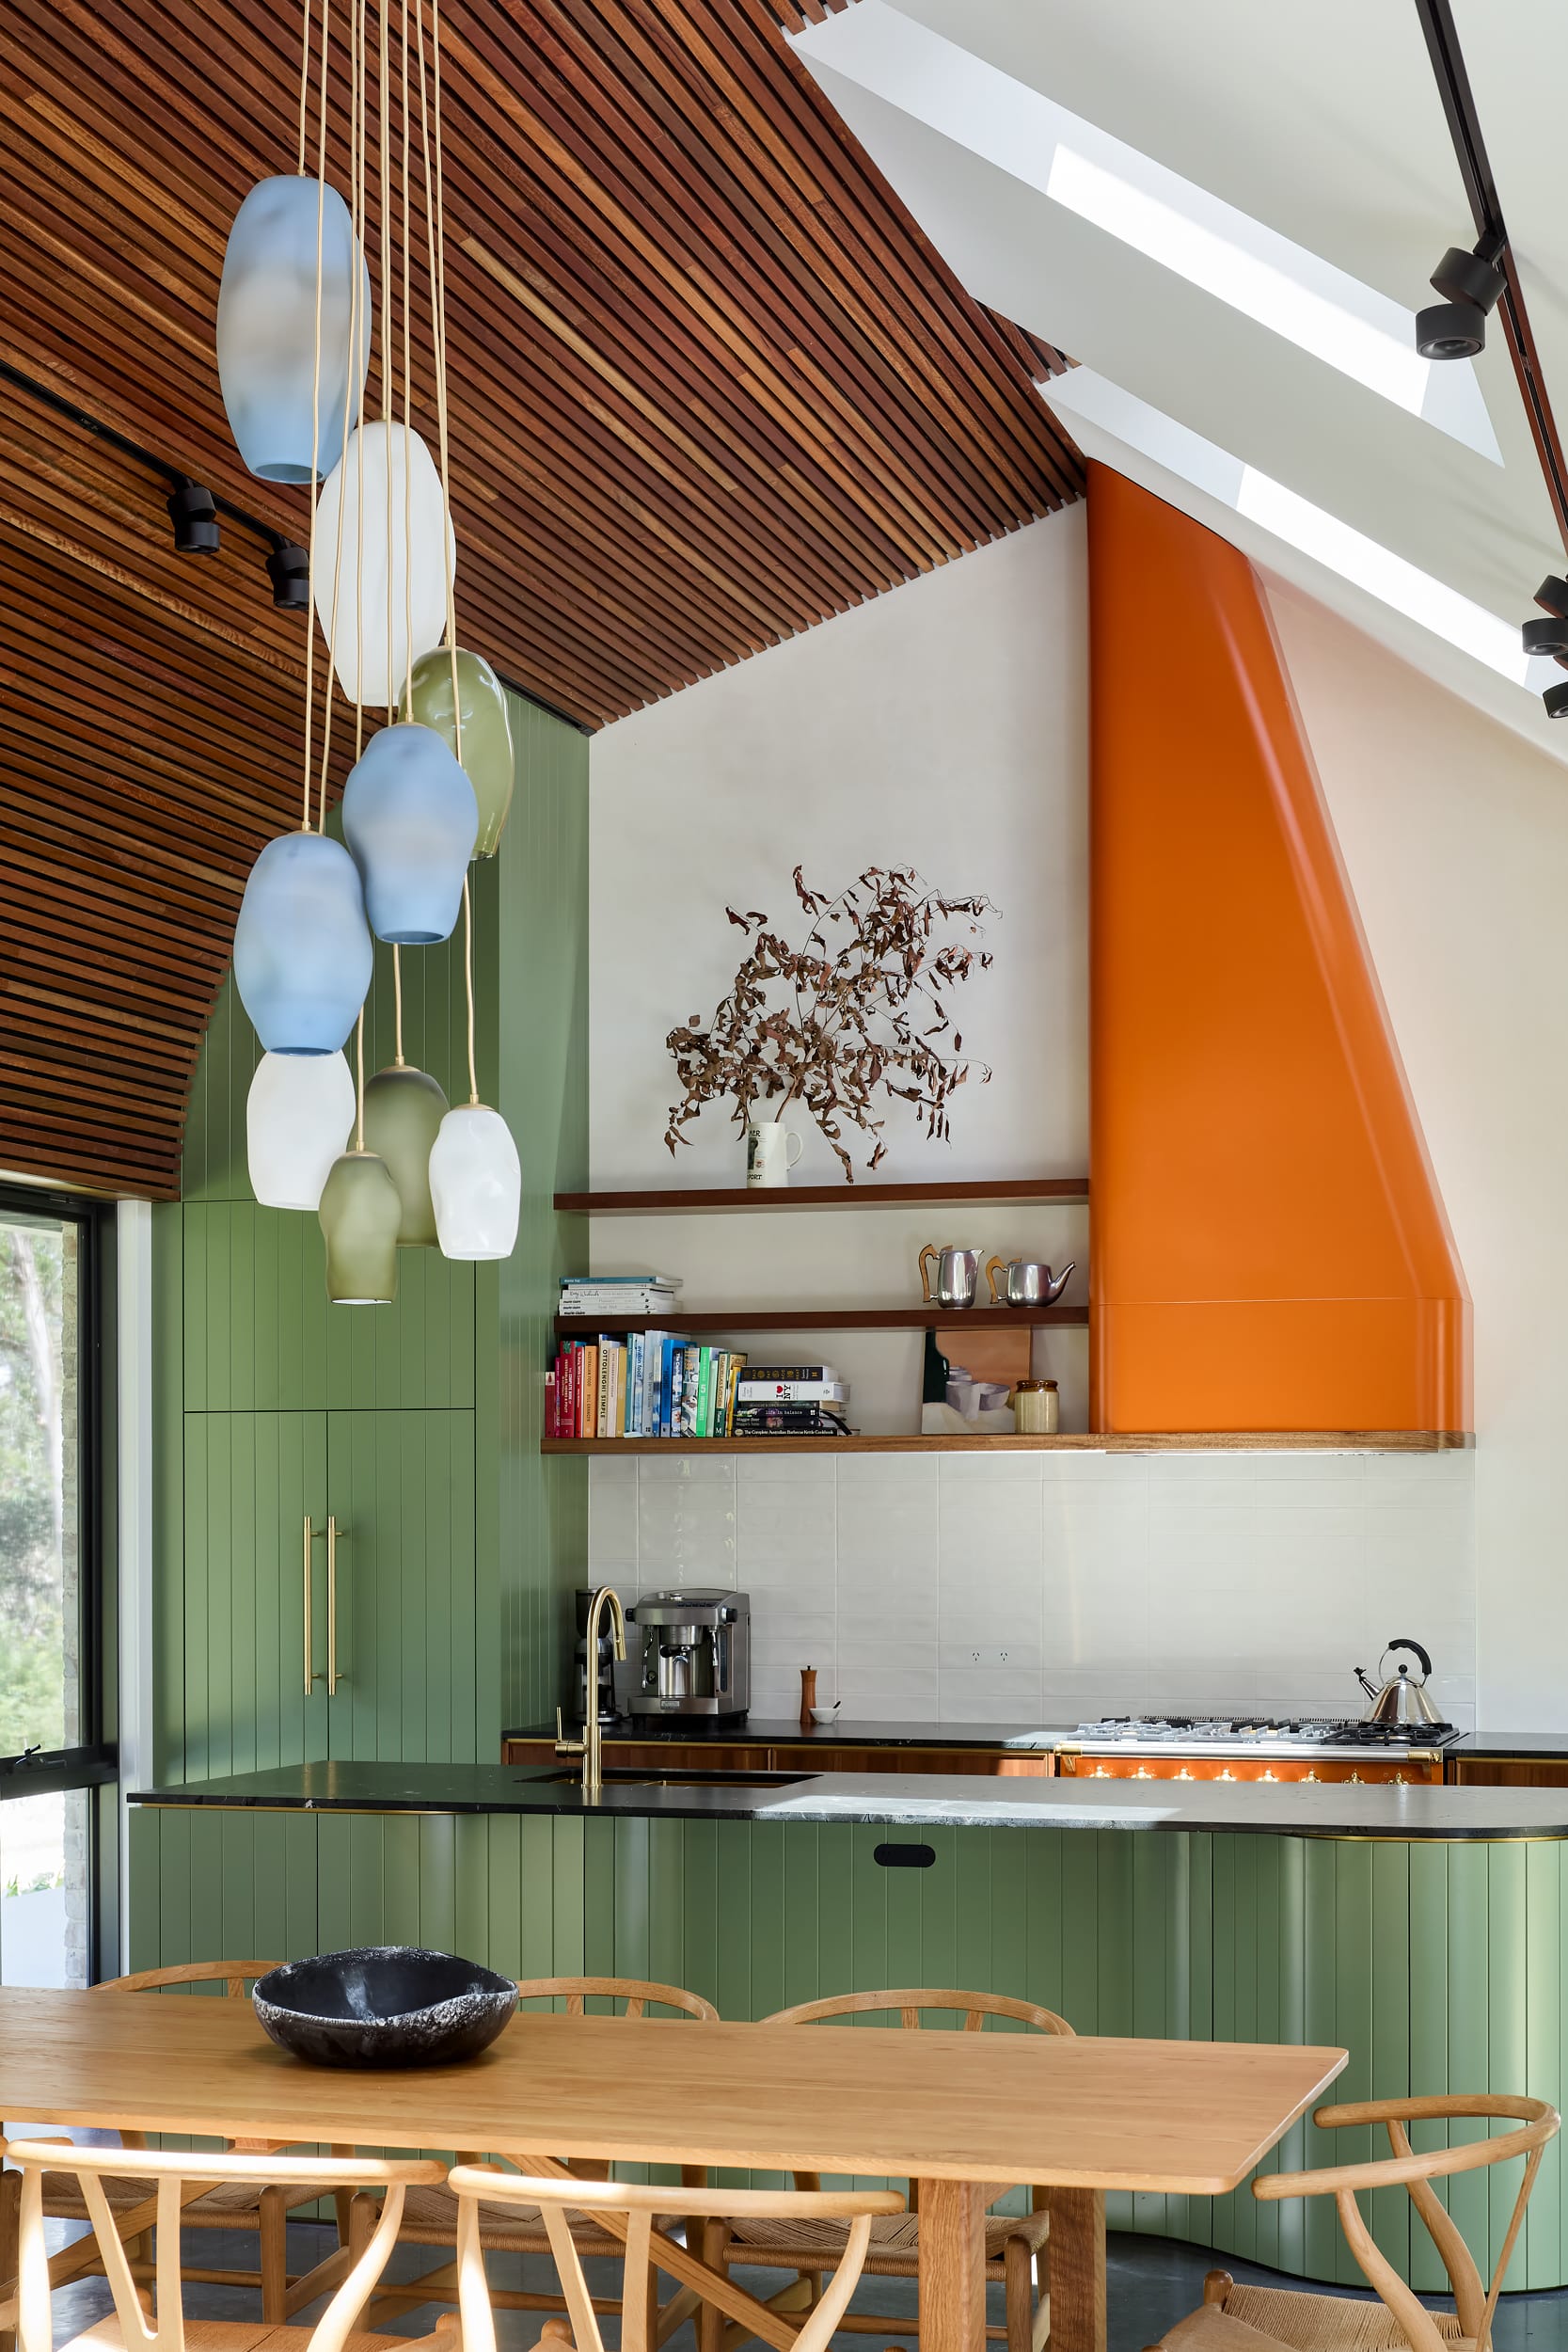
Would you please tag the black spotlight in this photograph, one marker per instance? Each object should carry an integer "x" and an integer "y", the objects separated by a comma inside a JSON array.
[
  {"x": 195, "y": 518},
  {"x": 289, "y": 569},
  {"x": 1470, "y": 284},
  {"x": 1556, "y": 700}
]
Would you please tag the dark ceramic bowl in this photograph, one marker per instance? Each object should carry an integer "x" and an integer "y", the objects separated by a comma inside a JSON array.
[{"x": 387, "y": 2005}]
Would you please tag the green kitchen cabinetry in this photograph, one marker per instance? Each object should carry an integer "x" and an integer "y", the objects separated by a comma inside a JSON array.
[
  {"x": 416, "y": 1425},
  {"x": 390, "y": 1500},
  {"x": 1438, "y": 1966}
]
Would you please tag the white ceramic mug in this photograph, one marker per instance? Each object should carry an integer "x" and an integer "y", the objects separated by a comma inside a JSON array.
[{"x": 769, "y": 1159}]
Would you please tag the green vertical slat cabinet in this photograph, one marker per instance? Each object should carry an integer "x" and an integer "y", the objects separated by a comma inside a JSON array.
[
  {"x": 759, "y": 1915},
  {"x": 460, "y": 1543}
]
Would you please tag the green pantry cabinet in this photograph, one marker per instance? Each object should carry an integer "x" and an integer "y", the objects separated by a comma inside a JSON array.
[{"x": 414, "y": 1427}]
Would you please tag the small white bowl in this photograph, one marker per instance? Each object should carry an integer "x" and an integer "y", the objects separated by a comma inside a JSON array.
[{"x": 826, "y": 1714}]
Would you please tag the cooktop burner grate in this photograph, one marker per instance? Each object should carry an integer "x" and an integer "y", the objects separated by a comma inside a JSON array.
[{"x": 1300, "y": 1730}]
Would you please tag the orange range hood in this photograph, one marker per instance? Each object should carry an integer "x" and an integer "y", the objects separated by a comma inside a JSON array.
[{"x": 1270, "y": 1248}]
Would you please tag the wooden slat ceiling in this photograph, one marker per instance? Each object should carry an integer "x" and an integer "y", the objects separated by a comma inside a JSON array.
[{"x": 710, "y": 384}]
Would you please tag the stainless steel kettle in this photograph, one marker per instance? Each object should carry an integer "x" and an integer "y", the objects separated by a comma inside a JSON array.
[{"x": 1402, "y": 1702}]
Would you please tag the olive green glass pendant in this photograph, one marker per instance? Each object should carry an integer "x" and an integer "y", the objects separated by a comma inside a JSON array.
[
  {"x": 360, "y": 1213},
  {"x": 487, "y": 753},
  {"x": 403, "y": 1110}
]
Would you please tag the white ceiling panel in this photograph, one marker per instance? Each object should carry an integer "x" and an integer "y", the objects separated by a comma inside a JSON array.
[{"x": 1324, "y": 124}]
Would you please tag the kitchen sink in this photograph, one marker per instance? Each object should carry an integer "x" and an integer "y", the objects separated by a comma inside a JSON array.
[{"x": 627, "y": 1776}]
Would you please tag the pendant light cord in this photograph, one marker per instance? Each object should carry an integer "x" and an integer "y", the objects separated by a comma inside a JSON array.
[
  {"x": 436, "y": 238},
  {"x": 468, "y": 977},
  {"x": 360, "y": 1081},
  {"x": 389, "y": 330},
  {"x": 304, "y": 88},
  {"x": 396, "y": 998},
  {"x": 359, "y": 47},
  {"x": 315, "y": 387},
  {"x": 355, "y": 334},
  {"x": 407, "y": 402}
]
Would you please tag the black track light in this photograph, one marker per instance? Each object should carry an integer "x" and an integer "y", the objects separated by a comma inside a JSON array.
[
  {"x": 289, "y": 569},
  {"x": 1471, "y": 285},
  {"x": 195, "y": 518},
  {"x": 1556, "y": 700}
]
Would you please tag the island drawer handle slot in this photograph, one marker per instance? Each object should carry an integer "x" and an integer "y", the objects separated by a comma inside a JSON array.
[{"x": 904, "y": 1857}]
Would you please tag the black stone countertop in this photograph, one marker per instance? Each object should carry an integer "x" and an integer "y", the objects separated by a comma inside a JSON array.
[
  {"x": 759, "y": 1731},
  {"x": 1289, "y": 1809},
  {"x": 766, "y": 1731}
]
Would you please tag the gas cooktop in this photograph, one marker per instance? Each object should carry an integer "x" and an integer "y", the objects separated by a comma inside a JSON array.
[{"x": 1256, "y": 1735}]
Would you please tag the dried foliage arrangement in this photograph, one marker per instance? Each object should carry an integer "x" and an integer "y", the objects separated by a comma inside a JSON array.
[{"x": 828, "y": 1024}]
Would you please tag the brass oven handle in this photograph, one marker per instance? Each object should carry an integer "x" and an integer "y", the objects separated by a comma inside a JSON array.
[
  {"x": 309, "y": 1676},
  {"x": 333, "y": 1676}
]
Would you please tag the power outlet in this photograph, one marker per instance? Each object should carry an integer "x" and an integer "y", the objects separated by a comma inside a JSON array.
[{"x": 989, "y": 1656}]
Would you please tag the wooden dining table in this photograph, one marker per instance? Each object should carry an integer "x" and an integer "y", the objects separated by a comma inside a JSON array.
[{"x": 948, "y": 2111}]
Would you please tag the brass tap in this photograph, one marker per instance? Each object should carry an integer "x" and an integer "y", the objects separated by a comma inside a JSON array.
[{"x": 591, "y": 1746}]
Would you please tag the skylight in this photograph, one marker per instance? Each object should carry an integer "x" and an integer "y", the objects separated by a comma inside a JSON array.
[
  {"x": 1385, "y": 361},
  {"x": 1240, "y": 261},
  {"x": 1298, "y": 523}
]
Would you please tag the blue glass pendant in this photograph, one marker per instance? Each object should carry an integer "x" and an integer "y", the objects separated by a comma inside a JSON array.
[
  {"x": 411, "y": 819},
  {"x": 302, "y": 953},
  {"x": 266, "y": 328}
]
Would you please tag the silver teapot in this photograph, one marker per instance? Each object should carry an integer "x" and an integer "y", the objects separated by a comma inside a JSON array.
[{"x": 1026, "y": 1281}]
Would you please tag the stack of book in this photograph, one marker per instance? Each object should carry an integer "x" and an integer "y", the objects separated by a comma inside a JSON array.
[
  {"x": 646, "y": 1384},
  {"x": 600, "y": 1296},
  {"x": 791, "y": 1401}
]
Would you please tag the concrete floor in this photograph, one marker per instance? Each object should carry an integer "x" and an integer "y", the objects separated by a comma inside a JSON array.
[{"x": 1153, "y": 2282}]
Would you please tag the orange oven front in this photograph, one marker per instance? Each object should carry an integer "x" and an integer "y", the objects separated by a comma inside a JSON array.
[{"x": 1412, "y": 1768}]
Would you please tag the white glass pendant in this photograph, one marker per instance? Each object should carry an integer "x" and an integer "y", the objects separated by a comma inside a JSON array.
[
  {"x": 359, "y": 1215},
  {"x": 299, "y": 1116},
  {"x": 266, "y": 328},
  {"x": 476, "y": 1182},
  {"x": 381, "y": 576},
  {"x": 410, "y": 820},
  {"x": 403, "y": 1109},
  {"x": 302, "y": 952}
]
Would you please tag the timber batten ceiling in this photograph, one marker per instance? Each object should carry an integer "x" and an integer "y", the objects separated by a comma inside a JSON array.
[{"x": 710, "y": 384}]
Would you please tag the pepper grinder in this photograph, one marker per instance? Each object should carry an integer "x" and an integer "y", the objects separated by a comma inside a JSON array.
[{"x": 808, "y": 1695}]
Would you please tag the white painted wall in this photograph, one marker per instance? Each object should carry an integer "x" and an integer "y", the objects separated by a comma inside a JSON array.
[
  {"x": 1455, "y": 832},
  {"x": 947, "y": 723},
  {"x": 942, "y": 725}
]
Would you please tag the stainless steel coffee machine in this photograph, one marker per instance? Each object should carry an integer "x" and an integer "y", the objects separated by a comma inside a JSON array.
[{"x": 689, "y": 1654}]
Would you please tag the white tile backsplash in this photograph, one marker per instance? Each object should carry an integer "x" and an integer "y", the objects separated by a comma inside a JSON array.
[{"x": 1113, "y": 1583}]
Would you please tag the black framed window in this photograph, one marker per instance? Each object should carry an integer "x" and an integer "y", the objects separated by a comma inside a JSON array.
[{"x": 55, "y": 1643}]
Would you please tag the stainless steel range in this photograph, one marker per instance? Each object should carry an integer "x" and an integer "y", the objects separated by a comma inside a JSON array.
[{"x": 1253, "y": 1747}]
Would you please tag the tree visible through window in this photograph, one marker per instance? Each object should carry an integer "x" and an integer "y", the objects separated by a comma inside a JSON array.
[{"x": 43, "y": 1839}]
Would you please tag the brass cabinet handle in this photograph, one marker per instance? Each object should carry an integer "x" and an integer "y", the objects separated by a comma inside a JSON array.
[
  {"x": 333, "y": 1676},
  {"x": 309, "y": 1675}
]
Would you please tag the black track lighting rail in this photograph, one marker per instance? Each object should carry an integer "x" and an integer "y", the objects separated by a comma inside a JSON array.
[
  {"x": 175, "y": 476},
  {"x": 1458, "y": 105}
]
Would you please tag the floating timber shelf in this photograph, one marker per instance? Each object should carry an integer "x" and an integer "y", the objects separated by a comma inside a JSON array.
[
  {"x": 1009, "y": 1192},
  {"x": 1079, "y": 1441},
  {"x": 825, "y": 1319}
]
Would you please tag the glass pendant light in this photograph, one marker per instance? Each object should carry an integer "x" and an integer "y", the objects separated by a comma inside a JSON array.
[
  {"x": 476, "y": 1182},
  {"x": 267, "y": 328},
  {"x": 410, "y": 818},
  {"x": 385, "y": 602},
  {"x": 359, "y": 1214},
  {"x": 299, "y": 1116},
  {"x": 485, "y": 730},
  {"x": 403, "y": 1110},
  {"x": 302, "y": 951}
]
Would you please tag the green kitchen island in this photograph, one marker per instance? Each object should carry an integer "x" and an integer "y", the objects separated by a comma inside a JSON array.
[{"x": 1426, "y": 1929}]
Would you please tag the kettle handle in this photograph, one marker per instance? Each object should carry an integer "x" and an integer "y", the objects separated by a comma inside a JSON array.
[
  {"x": 930, "y": 1250},
  {"x": 1406, "y": 1644},
  {"x": 991, "y": 1264}
]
